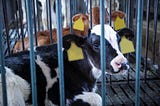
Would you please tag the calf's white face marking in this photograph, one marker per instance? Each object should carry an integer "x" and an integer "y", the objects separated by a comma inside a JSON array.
[{"x": 111, "y": 36}]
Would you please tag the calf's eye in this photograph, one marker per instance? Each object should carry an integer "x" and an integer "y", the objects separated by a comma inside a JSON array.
[{"x": 96, "y": 45}]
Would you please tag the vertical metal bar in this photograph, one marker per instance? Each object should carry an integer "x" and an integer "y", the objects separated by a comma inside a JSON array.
[
  {"x": 17, "y": 23},
  {"x": 123, "y": 5},
  {"x": 128, "y": 13},
  {"x": 155, "y": 29},
  {"x": 6, "y": 24},
  {"x": 38, "y": 15},
  {"x": 32, "y": 55},
  {"x": 2, "y": 69},
  {"x": 60, "y": 53},
  {"x": 50, "y": 21},
  {"x": 74, "y": 6},
  {"x": 103, "y": 52},
  {"x": 147, "y": 39},
  {"x": 90, "y": 14},
  {"x": 34, "y": 17},
  {"x": 136, "y": 12},
  {"x": 71, "y": 14},
  {"x": 138, "y": 51},
  {"x": 110, "y": 10},
  {"x": 47, "y": 14},
  {"x": 126, "y": 7},
  {"x": 21, "y": 21}
]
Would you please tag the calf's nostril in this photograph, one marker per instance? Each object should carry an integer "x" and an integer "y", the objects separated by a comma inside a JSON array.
[{"x": 124, "y": 66}]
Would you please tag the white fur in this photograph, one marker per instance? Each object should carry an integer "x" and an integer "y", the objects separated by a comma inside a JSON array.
[
  {"x": 116, "y": 63},
  {"x": 18, "y": 89},
  {"x": 95, "y": 71},
  {"x": 90, "y": 97},
  {"x": 47, "y": 73}
]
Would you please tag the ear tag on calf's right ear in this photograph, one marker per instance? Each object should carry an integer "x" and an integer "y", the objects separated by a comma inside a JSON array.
[
  {"x": 79, "y": 24},
  {"x": 126, "y": 45},
  {"x": 119, "y": 23},
  {"x": 74, "y": 52}
]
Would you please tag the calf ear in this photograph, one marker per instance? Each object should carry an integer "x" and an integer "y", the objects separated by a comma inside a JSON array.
[
  {"x": 79, "y": 41},
  {"x": 128, "y": 33}
]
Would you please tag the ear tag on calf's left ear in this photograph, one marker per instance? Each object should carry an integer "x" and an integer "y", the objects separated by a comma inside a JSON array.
[
  {"x": 119, "y": 23},
  {"x": 79, "y": 24},
  {"x": 126, "y": 45},
  {"x": 75, "y": 52}
]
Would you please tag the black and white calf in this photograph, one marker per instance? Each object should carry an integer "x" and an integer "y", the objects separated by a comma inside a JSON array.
[{"x": 80, "y": 75}]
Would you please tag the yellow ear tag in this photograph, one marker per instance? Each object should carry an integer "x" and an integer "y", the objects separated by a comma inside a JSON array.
[
  {"x": 126, "y": 45},
  {"x": 79, "y": 24},
  {"x": 119, "y": 23},
  {"x": 75, "y": 52}
]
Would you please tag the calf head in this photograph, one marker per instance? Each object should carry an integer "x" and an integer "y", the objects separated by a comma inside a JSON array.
[{"x": 116, "y": 63}]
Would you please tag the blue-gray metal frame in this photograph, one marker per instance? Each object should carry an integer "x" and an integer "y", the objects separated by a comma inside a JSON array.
[
  {"x": 2, "y": 69},
  {"x": 90, "y": 13},
  {"x": 147, "y": 39},
  {"x": 6, "y": 24},
  {"x": 128, "y": 13},
  {"x": 32, "y": 55},
  {"x": 138, "y": 51},
  {"x": 71, "y": 14},
  {"x": 50, "y": 20},
  {"x": 60, "y": 52},
  {"x": 110, "y": 10},
  {"x": 38, "y": 14},
  {"x": 103, "y": 52},
  {"x": 35, "y": 23},
  {"x": 156, "y": 2},
  {"x": 21, "y": 22}
]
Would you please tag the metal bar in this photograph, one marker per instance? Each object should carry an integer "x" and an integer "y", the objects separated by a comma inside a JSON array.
[
  {"x": 136, "y": 12},
  {"x": 32, "y": 55},
  {"x": 47, "y": 14},
  {"x": 147, "y": 39},
  {"x": 110, "y": 10},
  {"x": 103, "y": 52},
  {"x": 60, "y": 53},
  {"x": 50, "y": 21},
  {"x": 155, "y": 29},
  {"x": 138, "y": 51},
  {"x": 38, "y": 15},
  {"x": 71, "y": 14},
  {"x": 6, "y": 24},
  {"x": 129, "y": 13},
  {"x": 17, "y": 24},
  {"x": 21, "y": 21},
  {"x": 2, "y": 69},
  {"x": 90, "y": 14},
  {"x": 35, "y": 26}
]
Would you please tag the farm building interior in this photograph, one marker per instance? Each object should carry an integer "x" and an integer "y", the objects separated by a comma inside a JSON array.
[{"x": 28, "y": 24}]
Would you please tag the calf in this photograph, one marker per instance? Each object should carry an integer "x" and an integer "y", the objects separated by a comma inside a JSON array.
[
  {"x": 80, "y": 75},
  {"x": 43, "y": 37}
]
